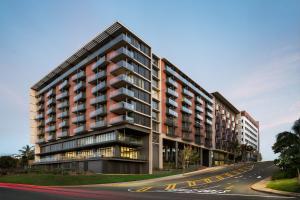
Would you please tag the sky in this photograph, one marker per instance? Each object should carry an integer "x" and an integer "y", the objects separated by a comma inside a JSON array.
[{"x": 247, "y": 50}]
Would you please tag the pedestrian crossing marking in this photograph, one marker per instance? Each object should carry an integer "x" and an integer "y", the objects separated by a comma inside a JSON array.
[
  {"x": 171, "y": 186},
  {"x": 191, "y": 183},
  {"x": 144, "y": 189},
  {"x": 219, "y": 178},
  {"x": 207, "y": 180}
]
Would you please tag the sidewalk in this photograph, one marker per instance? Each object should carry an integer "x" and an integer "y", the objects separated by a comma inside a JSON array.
[
  {"x": 166, "y": 178},
  {"x": 261, "y": 186}
]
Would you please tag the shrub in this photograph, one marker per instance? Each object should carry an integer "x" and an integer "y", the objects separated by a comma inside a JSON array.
[{"x": 283, "y": 174}]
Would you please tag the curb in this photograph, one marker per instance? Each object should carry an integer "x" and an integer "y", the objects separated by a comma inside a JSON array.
[{"x": 261, "y": 187}]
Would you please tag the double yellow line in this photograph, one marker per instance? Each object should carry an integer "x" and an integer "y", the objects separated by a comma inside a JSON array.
[
  {"x": 144, "y": 189},
  {"x": 171, "y": 186}
]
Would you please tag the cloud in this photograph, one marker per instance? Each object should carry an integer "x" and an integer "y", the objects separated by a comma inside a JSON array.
[
  {"x": 12, "y": 97},
  {"x": 281, "y": 71}
]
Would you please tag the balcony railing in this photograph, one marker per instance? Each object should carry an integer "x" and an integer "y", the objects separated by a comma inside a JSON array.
[
  {"x": 40, "y": 107},
  {"x": 209, "y": 115},
  {"x": 186, "y": 101},
  {"x": 172, "y": 102},
  {"x": 63, "y": 85},
  {"x": 186, "y": 110},
  {"x": 95, "y": 77},
  {"x": 121, "y": 107},
  {"x": 120, "y": 54},
  {"x": 198, "y": 116},
  {"x": 209, "y": 107},
  {"x": 79, "y": 108},
  {"x": 78, "y": 119},
  {"x": 199, "y": 100},
  {"x": 50, "y": 93},
  {"x": 79, "y": 97},
  {"x": 172, "y": 92},
  {"x": 62, "y": 134},
  {"x": 51, "y": 111},
  {"x": 79, "y": 86},
  {"x": 63, "y": 124},
  {"x": 63, "y": 114},
  {"x": 50, "y": 120},
  {"x": 121, "y": 80},
  {"x": 172, "y": 112},
  {"x": 50, "y": 102},
  {"x": 172, "y": 82},
  {"x": 98, "y": 112},
  {"x": 99, "y": 99},
  {"x": 121, "y": 119},
  {"x": 187, "y": 92},
  {"x": 51, "y": 137},
  {"x": 50, "y": 128},
  {"x": 121, "y": 94},
  {"x": 98, "y": 124},
  {"x": 39, "y": 116},
  {"x": 62, "y": 105},
  {"x": 208, "y": 121},
  {"x": 121, "y": 67},
  {"x": 99, "y": 87},
  {"x": 79, "y": 129},
  {"x": 80, "y": 75},
  {"x": 200, "y": 109},
  {"x": 62, "y": 95},
  {"x": 40, "y": 140},
  {"x": 99, "y": 63}
]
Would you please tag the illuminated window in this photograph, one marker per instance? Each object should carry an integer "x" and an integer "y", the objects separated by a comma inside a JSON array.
[{"x": 127, "y": 152}]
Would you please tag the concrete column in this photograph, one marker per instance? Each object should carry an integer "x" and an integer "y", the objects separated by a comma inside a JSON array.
[
  {"x": 201, "y": 156},
  {"x": 160, "y": 152},
  {"x": 150, "y": 158},
  {"x": 210, "y": 158},
  {"x": 176, "y": 154}
]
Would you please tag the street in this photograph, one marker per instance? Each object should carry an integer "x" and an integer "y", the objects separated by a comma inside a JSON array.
[{"x": 228, "y": 183}]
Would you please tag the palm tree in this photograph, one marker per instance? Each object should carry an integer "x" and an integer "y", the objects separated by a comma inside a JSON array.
[{"x": 26, "y": 153}]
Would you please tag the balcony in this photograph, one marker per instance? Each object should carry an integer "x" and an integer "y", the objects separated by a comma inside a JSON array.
[
  {"x": 39, "y": 116},
  {"x": 62, "y": 95},
  {"x": 99, "y": 99},
  {"x": 79, "y": 86},
  {"x": 62, "y": 105},
  {"x": 64, "y": 114},
  {"x": 186, "y": 129},
  {"x": 187, "y": 93},
  {"x": 121, "y": 119},
  {"x": 198, "y": 125},
  {"x": 209, "y": 115},
  {"x": 40, "y": 124},
  {"x": 97, "y": 77},
  {"x": 186, "y": 110},
  {"x": 63, "y": 85},
  {"x": 51, "y": 111},
  {"x": 171, "y": 122},
  {"x": 199, "y": 100},
  {"x": 172, "y": 102},
  {"x": 63, "y": 134},
  {"x": 40, "y": 100},
  {"x": 80, "y": 96},
  {"x": 79, "y": 129},
  {"x": 78, "y": 108},
  {"x": 199, "y": 109},
  {"x": 172, "y": 82},
  {"x": 187, "y": 136},
  {"x": 186, "y": 101},
  {"x": 51, "y": 137},
  {"x": 78, "y": 119},
  {"x": 98, "y": 112},
  {"x": 79, "y": 76},
  {"x": 98, "y": 124},
  {"x": 198, "y": 116},
  {"x": 99, "y": 87},
  {"x": 51, "y": 102},
  {"x": 121, "y": 107},
  {"x": 208, "y": 121},
  {"x": 172, "y": 92},
  {"x": 40, "y": 140},
  {"x": 63, "y": 124},
  {"x": 40, "y": 108},
  {"x": 209, "y": 107},
  {"x": 99, "y": 63},
  {"x": 50, "y": 93},
  {"x": 50, "y": 120},
  {"x": 121, "y": 54},
  {"x": 121, "y": 68},
  {"x": 121, "y": 94},
  {"x": 121, "y": 81},
  {"x": 172, "y": 112},
  {"x": 50, "y": 128}
]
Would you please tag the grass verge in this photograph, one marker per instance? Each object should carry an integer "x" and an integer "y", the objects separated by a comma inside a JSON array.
[
  {"x": 289, "y": 185},
  {"x": 61, "y": 180}
]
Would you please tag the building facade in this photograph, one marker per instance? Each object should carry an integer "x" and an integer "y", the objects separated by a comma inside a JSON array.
[{"x": 115, "y": 107}]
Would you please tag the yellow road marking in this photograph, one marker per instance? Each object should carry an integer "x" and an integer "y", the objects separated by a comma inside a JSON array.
[
  {"x": 207, "y": 180},
  {"x": 229, "y": 187},
  {"x": 191, "y": 183},
  {"x": 219, "y": 178},
  {"x": 144, "y": 189},
  {"x": 171, "y": 186},
  {"x": 228, "y": 174}
]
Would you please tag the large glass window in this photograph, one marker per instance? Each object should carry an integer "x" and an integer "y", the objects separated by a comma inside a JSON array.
[{"x": 127, "y": 152}]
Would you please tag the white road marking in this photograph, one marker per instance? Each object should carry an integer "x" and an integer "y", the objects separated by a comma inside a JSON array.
[{"x": 258, "y": 177}]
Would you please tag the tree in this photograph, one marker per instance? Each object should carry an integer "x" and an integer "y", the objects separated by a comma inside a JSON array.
[
  {"x": 8, "y": 162},
  {"x": 288, "y": 146},
  {"x": 26, "y": 154}
]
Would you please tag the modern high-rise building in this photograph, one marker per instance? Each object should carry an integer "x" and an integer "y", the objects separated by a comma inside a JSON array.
[
  {"x": 116, "y": 107},
  {"x": 248, "y": 130}
]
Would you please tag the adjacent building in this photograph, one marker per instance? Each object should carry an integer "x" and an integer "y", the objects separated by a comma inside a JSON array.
[{"x": 116, "y": 107}]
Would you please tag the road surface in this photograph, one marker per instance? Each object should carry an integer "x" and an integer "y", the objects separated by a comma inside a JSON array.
[{"x": 230, "y": 183}]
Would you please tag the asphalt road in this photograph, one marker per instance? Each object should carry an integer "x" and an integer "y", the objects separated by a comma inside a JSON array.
[{"x": 231, "y": 183}]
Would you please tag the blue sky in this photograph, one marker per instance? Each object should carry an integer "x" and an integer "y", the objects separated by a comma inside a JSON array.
[{"x": 247, "y": 50}]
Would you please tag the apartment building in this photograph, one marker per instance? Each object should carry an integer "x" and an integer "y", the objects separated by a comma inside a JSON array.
[
  {"x": 116, "y": 107},
  {"x": 226, "y": 129},
  {"x": 248, "y": 130}
]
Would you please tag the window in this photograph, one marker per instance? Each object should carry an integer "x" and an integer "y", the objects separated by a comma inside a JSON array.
[
  {"x": 141, "y": 119},
  {"x": 155, "y": 126},
  {"x": 155, "y": 116},
  {"x": 155, "y": 83},
  {"x": 141, "y": 107},
  {"x": 127, "y": 152},
  {"x": 155, "y": 105}
]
